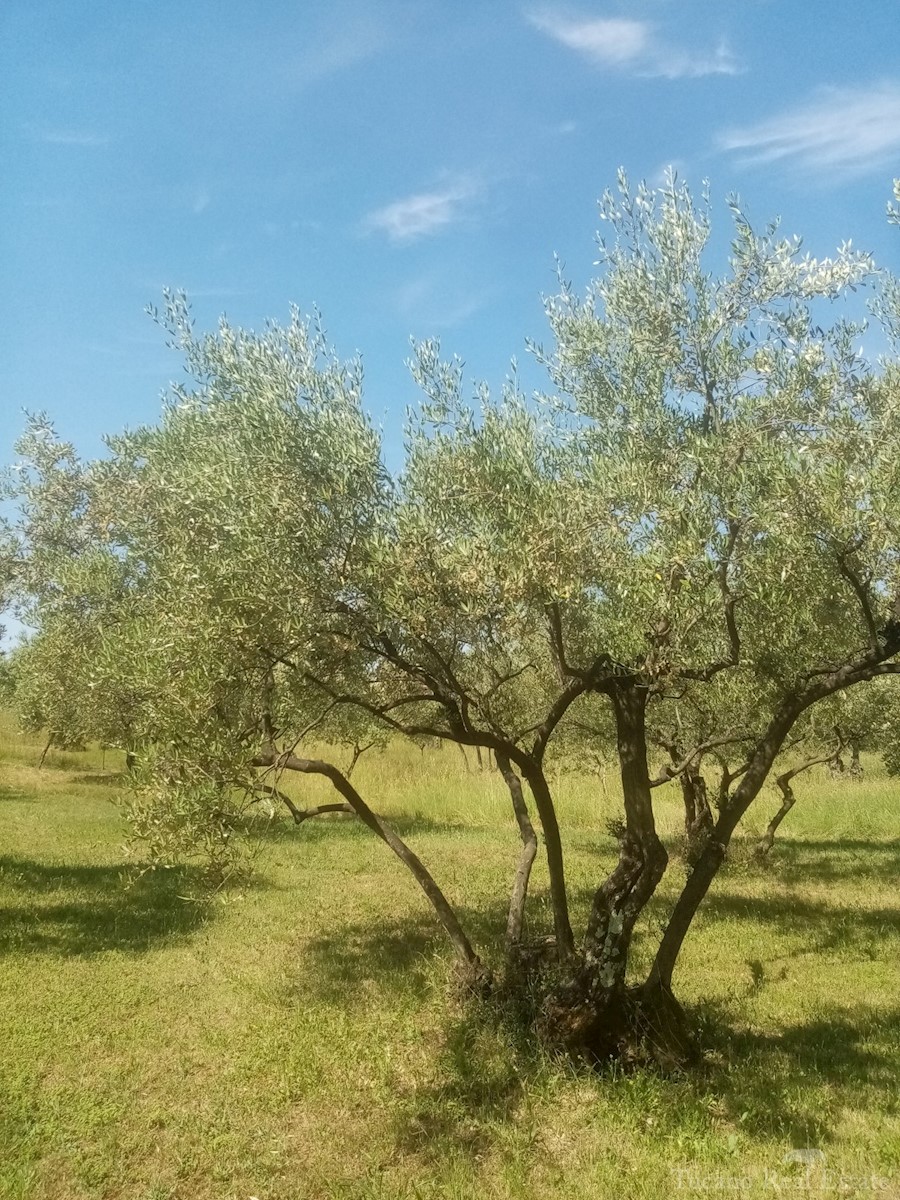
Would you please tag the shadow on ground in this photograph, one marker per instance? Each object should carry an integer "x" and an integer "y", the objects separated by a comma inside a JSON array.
[
  {"x": 113, "y": 779},
  {"x": 479, "y": 1083},
  {"x": 788, "y": 1083},
  {"x": 823, "y": 927},
  {"x": 792, "y": 1086},
  {"x": 392, "y": 954},
  {"x": 798, "y": 860},
  {"x": 70, "y": 909},
  {"x": 334, "y": 826}
]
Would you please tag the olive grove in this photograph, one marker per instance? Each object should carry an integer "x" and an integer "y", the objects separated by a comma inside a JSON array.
[{"x": 682, "y": 547}]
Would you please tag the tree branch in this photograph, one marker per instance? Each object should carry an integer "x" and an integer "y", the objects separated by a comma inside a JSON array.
[
  {"x": 729, "y": 601},
  {"x": 445, "y": 913},
  {"x": 783, "y": 783},
  {"x": 300, "y": 815},
  {"x": 591, "y": 680},
  {"x": 557, "y": 645},
  {"x": 670, "y": 772},
  {"x": 861, "y": 591},
  {"x": 516, "y": 918},
  {"x": 358, "y": 752}
]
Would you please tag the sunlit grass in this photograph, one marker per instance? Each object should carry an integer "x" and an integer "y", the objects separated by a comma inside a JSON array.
[{"x": 294, "y": 1038}]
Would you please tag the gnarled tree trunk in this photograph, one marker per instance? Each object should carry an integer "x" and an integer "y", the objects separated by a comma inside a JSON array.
[
  {"x": 698, "y": 818},
  {"x": 595, "y": 1012},
  {"x": 516, "y": 919}
]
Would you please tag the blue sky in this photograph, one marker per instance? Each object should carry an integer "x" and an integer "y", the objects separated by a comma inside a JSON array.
[{"x": 409, "y": 167}]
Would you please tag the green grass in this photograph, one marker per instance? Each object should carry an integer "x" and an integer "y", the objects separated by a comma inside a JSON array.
[{"x": 295, "y": 1038}]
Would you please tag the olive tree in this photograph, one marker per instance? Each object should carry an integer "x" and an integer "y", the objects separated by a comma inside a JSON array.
[{"x": 704, "y": 505}]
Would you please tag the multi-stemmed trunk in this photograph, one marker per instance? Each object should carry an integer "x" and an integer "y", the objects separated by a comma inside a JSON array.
[
  {"x": 642, "y": 861},
  {"x": 590, "y": 1005},
  {"x": 711, "y": 857},
  {"x": 595, "y": 1011}
]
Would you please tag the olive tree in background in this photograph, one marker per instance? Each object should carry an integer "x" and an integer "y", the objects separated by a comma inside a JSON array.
[
  {"x": 832, "y": 735},
  {"x": 699, "y": 516}
]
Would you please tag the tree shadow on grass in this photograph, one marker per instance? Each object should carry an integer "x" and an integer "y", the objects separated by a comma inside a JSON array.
[
  {"x": 392, "y": 954},
  {"x": 479, "y": 1082},
  {"x": 69, "y": 910},
  {"x": 395, "y": 952},
  {"x": 798, "y": 860},
  {"x": 793, "y": 1083},
  {"x": 334, "y": 826},
  {"x": 793, "y": 1086},
  {"x": 111, "y": 779},
  {"x": 481, "y": 1070},
  {"x": 789, "y": 1083},
  {"x": 865, "y": 932}
]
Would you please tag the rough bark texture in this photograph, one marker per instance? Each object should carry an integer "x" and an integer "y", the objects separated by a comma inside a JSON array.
[
  {"x": 698, "y": 818},
  {"x": 516, "y": 919},
  {"x": 565, "y": 942},
  {"x": 593, "y": 1012},
  {"x": 620, "y": 899},
  {"x": 788, "y": 801}
]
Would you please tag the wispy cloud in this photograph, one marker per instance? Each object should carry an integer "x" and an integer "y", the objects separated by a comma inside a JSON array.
[
  {"x": 70, "y": 137},
  {"x": 844, "y": 131},
  {"x": 424, "y": 213},
  {"x": 435, "y": 304},
  {"x": 341, "y": 42},
  {"x": 623, "y": 43}
]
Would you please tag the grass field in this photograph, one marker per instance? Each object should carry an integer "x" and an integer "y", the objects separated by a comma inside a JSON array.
[{"x": 293, "y": 1038}]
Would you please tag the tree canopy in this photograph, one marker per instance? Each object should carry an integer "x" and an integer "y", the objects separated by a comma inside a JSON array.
[{"x": 687, "y": 541}]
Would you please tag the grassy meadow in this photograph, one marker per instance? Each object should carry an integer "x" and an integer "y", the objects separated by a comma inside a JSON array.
[{"x": 293, "y": 1037}]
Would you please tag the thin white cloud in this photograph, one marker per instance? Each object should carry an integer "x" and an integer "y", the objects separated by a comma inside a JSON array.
[
  {"x": 423, "y": 213},
  {"x": 623, "y": 43},
  {"x": 613, "y": 41},
  {"x": 842, "y": 131},
  {"x": 72, "y": 137},
  {"x": 673, "y": 62},
  {"x": 342, "y": 42},
  {"x": 434, "y": 304}
]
